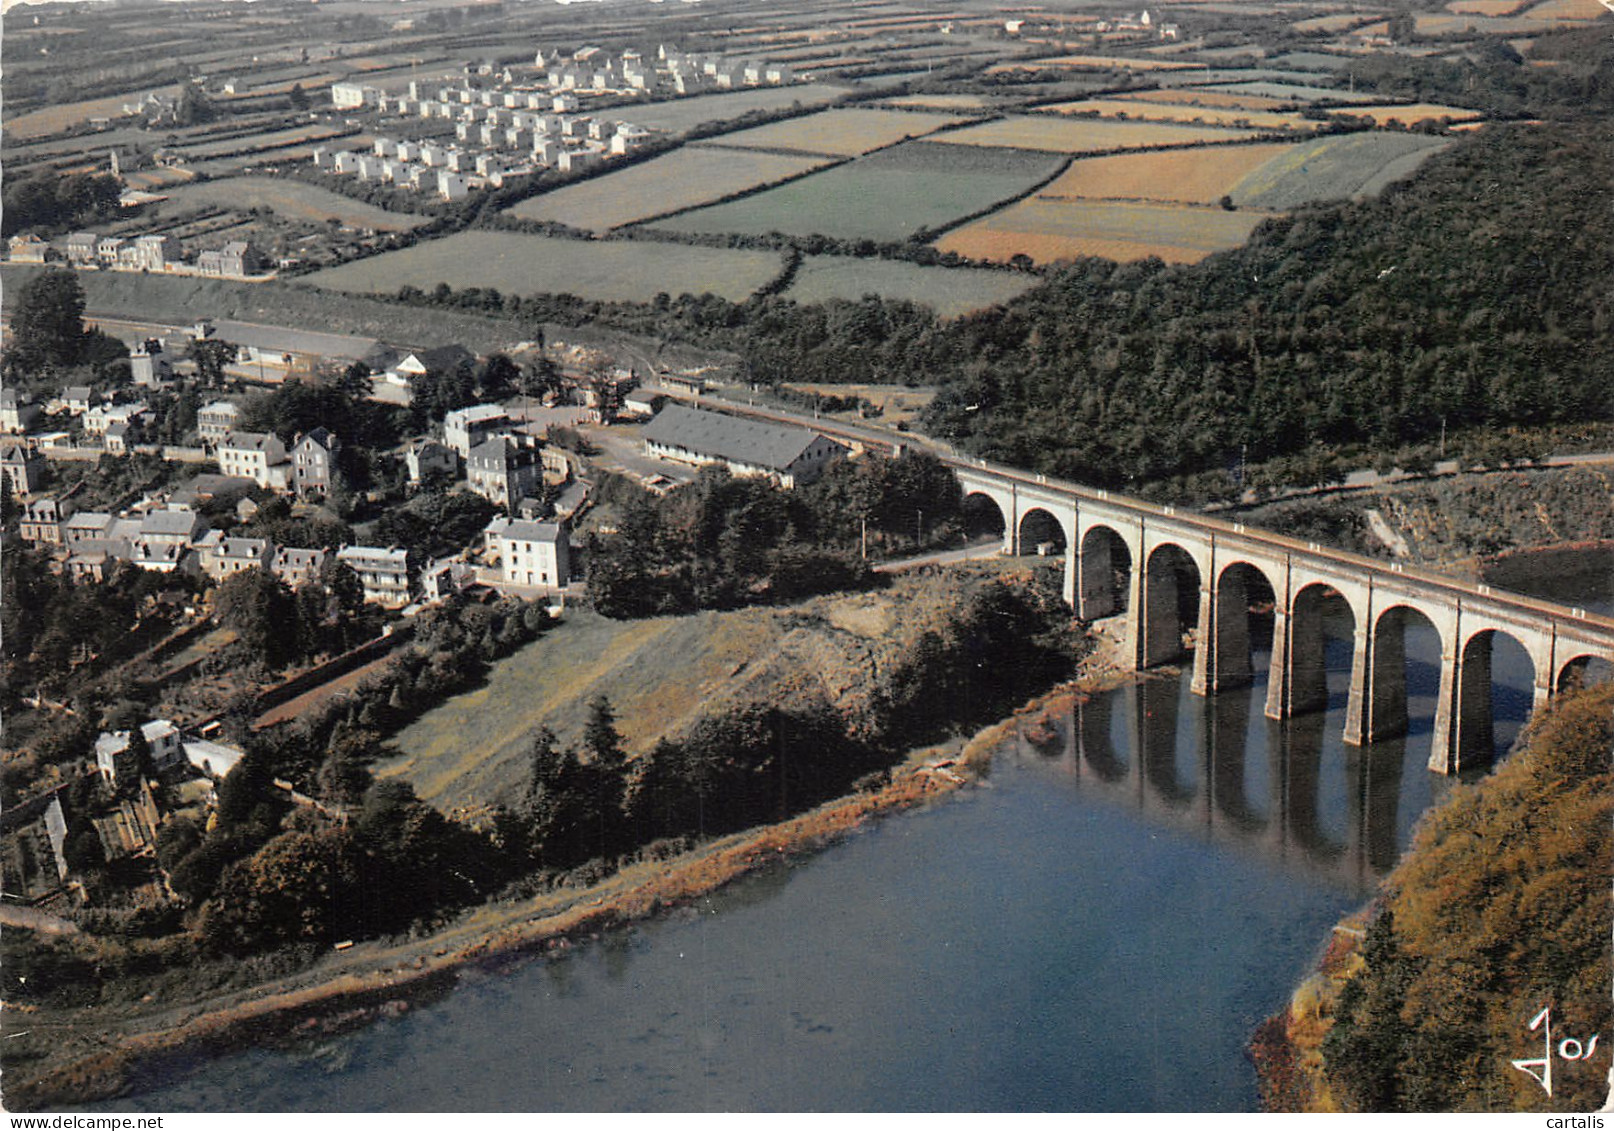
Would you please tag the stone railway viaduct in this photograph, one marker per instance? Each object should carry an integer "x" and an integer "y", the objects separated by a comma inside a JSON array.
[{"x": 1125, "y": 555}]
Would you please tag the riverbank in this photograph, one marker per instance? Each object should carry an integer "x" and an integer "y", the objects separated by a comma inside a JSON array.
[{"x": 358, "y": 985}]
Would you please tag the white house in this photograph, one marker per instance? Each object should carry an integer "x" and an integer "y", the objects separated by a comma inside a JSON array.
[{"x": 531, "y": 554}]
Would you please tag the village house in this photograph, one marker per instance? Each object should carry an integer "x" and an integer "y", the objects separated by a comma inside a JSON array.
[
  {"x": 790, "y": 456},
  {"x": 29, "y": 248},
  {"x": 222, "y": 555},
  {"x": 17, "y": 413},
  {"x": 214, "y": 422},
  {"x": 384, "y": 573},
  {"x": 531, "y": 554},
  {"x": 121, "y": 436},
  {"x": 156, "y": 252},
  {"x": 114, "y": 759},
  {"x": 314, "y": 470},
  {"x": 258, "y": 456},
  {"x": 427, "y": 457},
  {"x": 40, "y": 523},
  {"x": 76, "y": 400},
  {"x": 23, "y": 467},
  {"x": 296, "y": 566},
  {"x": 465, "y": 428},
  {"x": 444, "y": 577},
  {"x": 81, "y": 248},
  {"x": 85, "y": 527},
  {"x": 502, "y": 471},
  {"x": 102, "y": 416}
]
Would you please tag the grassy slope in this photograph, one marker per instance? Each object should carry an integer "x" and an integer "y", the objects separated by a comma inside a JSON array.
[{"x": 661, "y": 675}]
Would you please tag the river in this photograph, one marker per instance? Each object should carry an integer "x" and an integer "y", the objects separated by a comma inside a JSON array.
[{"x": 1099, "y": 926}]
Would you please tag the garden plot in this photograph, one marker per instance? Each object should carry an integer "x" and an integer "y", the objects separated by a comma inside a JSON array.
[
  {"x": 1085, "y": 135},
  {"x": 841, "y": 132}
]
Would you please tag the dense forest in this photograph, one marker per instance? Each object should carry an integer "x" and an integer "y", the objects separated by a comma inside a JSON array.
[{"x": 1500, "y": 910}]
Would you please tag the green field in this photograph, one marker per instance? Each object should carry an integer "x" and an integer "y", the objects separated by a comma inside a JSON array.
[
  {"x": 658, "y": 673},
  {"x": 887, "y": 196},
  {"x": 292, "y": 199},
  {"x": 610, "y": 271},
  {"x": 841, "y": 132},
  {"x": 684, "y": 178},
  {"x": 1334, "y": 168},
  {"x": 950, "y": 291},
  {"x": 1086, "y": 135},
  {"x": 683, "y": 114}
]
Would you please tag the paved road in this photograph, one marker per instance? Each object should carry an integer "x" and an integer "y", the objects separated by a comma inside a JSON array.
[{"x": 990, "y": 548}]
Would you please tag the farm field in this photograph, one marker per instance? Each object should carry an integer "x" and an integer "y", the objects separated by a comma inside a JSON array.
[
  {"x": 270, "y": 139},
  {"x": 292, "y": 199},
  {"x": 1332, "y": 23},
  {"x": 620, "y": 271},
  {"x": 684, "y": 114},
  {"x": 1312, "y": 61},
  {"x": 1095, "y": 62},
  {"x": 684, "y": 178},
  {"x": 940, "y": 102},
  {"x": 949, "y": 291},
  {"x": 1167, "y": 112},
  {"x": 1050, "y": 230},
  {"x": 887, "y": 196},
  {"x": 1412, "y": 114},
  {"x": 1182, "y": 176},
  {"x": 1568, "y": 11},
  {"x": 1335, "y": 168},
  {"x": 1079, "y": 135},
  {"x": 1289, "y": 92},
  {"x": 1193, "y": 96},
  {"x": 841, "y": 132},
  {"x": 1488, "y": 7},
  {"x": 54, "y": 119}
]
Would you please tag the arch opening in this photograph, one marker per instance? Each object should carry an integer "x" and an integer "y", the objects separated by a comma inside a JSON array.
[
  {"x": 1583, "y": 671},
  {"x": 1104, "y": 575},
  {"x": 1243, "y": 625},
  {"x": 1170, "y": 605},
  {"x": 1495, "y": 694},
  {"x": 982, "y": 516},
  {"x": 1392, "y": 676},
  {"x": 1322, "y": 629},
  {"x": 1041, "y": 533}
]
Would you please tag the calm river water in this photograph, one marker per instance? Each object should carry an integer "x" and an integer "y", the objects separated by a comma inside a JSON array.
[{"x": 1099, "y": 927}]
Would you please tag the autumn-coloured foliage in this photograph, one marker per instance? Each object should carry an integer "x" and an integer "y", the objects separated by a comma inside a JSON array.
[{"x": 1501, "y": 909}]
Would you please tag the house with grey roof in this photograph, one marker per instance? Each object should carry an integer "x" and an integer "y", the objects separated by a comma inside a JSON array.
[
  {"x": 17, "y": 412},
  {"x": 746, "y": 447},
  {"x": 40, "y": 523},
  {"x": 532, "y": 555},
  {"x": 503, "y": 472},
  {"x": 294, "y": 565},
  {"x": 24, "y": 468},
  {"x": 216, "y": 421},
  {"x": 383, "y": 571},
  {"x": 258, "y": 456},
  {"x": 222, "y": 555},
  {"x": 313, "y": 463},
  {"x": 465, "y": 428}
]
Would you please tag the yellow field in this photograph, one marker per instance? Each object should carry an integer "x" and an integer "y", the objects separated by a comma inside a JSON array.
[
  {"x": 1085, "y": 135},
  {"x": 940, "y": 102},
  {"x": 1413, "y": 114},
  {"x": 1330, "y": 23},
  {"x": 1168, "y": 112},
  {"x": 1049, "y": 230},
  {"x": 1095, "y": 62},
  {"x": 840, "y": 133},
  {"x": 1486, "y": 7},
  {"x": 1187, "y": 176},
  {"x": 1218, "y": 99},
  {"x": 1567, "y": 10}
]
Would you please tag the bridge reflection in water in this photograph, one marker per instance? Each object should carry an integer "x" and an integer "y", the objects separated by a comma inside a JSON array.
[{"x": 1290, "y": 790}]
